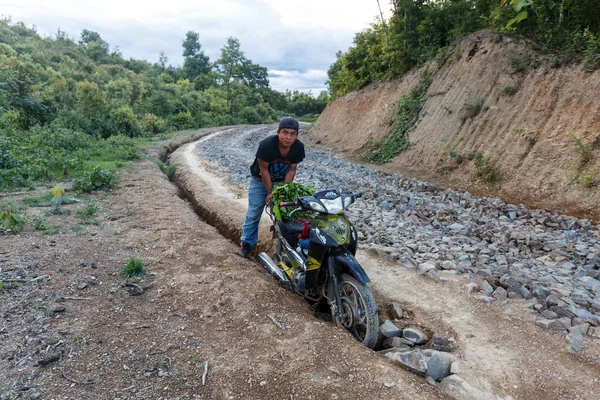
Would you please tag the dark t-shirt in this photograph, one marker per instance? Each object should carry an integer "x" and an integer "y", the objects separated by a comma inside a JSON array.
[{"x": 268, "y": 151}]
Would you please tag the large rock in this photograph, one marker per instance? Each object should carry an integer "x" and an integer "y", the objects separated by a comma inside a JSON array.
[
  {"x": 388, "y": 329},
  {"x": 460, "y": 389},
  {"x": 412, "y": 360},
  {"x": 415, "y": 336},
  {"x": 438, "y": 363}
]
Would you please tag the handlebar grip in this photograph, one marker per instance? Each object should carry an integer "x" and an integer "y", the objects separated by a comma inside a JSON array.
[{"x": 288, "y": 203}]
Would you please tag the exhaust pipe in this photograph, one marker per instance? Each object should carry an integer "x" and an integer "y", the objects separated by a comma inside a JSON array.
[{"x": 268, "y": 263}]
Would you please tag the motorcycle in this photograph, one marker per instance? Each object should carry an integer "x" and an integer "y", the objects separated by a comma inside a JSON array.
[{"x": 314, "y": 257}]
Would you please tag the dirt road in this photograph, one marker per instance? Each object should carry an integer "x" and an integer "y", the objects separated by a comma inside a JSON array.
[{"x": 205, "y": 314}]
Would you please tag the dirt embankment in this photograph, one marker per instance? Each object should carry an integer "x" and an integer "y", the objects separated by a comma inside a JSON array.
[{"x": 525, "y": 128}]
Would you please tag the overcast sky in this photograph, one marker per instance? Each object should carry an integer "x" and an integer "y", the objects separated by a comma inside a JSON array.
[{"x": 295, "y": 39}]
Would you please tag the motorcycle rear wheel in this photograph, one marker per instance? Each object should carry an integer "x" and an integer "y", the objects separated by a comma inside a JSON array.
[{"x": 360, "y": 310}]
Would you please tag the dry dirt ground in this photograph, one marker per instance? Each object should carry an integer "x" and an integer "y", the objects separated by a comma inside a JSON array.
[{"x": 204, "y": 306}]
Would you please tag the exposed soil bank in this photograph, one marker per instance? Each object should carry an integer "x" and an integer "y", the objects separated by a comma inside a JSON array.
[{"x": 529, "y": 110}]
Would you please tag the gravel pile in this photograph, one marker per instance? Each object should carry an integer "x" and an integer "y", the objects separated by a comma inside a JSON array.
[{"x": 505, "y": 250}]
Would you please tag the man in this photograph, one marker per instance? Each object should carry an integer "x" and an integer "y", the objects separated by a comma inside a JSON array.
[{"x": 275, "y": 162}]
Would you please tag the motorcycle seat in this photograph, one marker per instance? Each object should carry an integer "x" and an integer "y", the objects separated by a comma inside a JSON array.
[{"x": 291, "y": 228}]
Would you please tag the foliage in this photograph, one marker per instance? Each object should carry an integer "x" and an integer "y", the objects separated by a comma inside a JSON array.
[
  {"x": 88, "y": 211},
  {"x": 133, "y": 267},
  {"x": 96, "y": 178},
  {"x": 11, "y": 222},
  {"x": 407, "y": 113},
  {"x": 68, "y": 105},
  {"x": 420, "y": 30},
  {"x": 484, "y": 169},
  {"x": 471, "y": 110},
  {"x": 587, "y": 178},
  {"x": 1, "y": 285},
  {"x": 583, "y": 150},
  {"x": 168, "y": 170},
  {"x": 289, "y": 192}
]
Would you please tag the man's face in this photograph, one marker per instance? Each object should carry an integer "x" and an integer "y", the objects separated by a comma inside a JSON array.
[{"x": 287, "y": 136}]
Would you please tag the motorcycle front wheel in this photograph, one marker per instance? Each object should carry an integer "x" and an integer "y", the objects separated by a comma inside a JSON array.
[{"x": 360, "y": 311}]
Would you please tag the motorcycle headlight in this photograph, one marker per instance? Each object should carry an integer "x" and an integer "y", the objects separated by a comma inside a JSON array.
[
  {"x": 334, "y": 206},
  {"x": 314, "y": 205}
]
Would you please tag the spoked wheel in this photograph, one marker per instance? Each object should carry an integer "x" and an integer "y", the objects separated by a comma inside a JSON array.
[{"x": 360, "y": 311}]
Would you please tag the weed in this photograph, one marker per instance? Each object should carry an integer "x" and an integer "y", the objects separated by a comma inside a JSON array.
[
  {"x": 34, "y": 201},
  {"x": 1, "y": 285},
  {"x": 57, "y": 210},
  {"x": 11, "y": 222},
  {"x": 407, "y": 114},
  {"x": 471, "y": 110},
  {"x": 587, "y": 179},
  {"x": 442, "y": 169},
  {"x": 484, "y": 169},
  {"x": 133, "y": 267},
  {"x": 168, "y": 170},
  {"x": 88, "y": 211},
  {"x": 582, "y": 149},
  {"x": 51, "y": 340},
  {"x": 509, "y": 91}
]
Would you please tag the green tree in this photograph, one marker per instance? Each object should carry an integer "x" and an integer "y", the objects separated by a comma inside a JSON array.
[
  {"x": 195, "y": 61},
  {"x": 94, "y": 46}
]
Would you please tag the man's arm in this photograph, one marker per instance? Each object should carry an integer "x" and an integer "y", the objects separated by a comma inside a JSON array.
[
  {"x": 266, "y": 178},
  {"x": 289, "y": 177}
]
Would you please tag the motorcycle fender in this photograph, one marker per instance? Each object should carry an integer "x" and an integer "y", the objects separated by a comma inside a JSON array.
[{"x": 346, "y": 259}]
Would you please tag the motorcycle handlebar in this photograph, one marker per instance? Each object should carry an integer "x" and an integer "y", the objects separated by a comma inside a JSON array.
[{"x": 288, "y": 203}]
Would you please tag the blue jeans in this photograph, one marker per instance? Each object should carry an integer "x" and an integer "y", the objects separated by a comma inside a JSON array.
[{"x": 257, "y": 193}]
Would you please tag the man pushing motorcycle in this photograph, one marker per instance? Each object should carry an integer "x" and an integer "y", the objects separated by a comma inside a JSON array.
[{"x": 275, "y": 162}]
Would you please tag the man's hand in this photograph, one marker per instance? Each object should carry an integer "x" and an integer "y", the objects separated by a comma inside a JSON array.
[{"x": 268, "y": 199}]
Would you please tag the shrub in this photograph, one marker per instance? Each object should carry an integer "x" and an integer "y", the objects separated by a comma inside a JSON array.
[
  {"x": 133, "y": 267},
  {"x": 509, "y": 90},
  {"x": 484, "y": 169},
  {"x": 95, "y": 179},
  {"x": 125, "y": 121},
  {"x": 11, "y": 222},
  {"x": 182, "y": 120},
  {"x": 471, "y": 110},
  {"x": 582, "y": 149}
]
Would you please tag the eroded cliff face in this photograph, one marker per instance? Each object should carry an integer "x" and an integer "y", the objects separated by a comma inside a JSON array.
[{"x": 531, "y": 110}]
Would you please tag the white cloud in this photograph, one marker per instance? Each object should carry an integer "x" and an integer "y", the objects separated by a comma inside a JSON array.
[{"x": 295, "y": 37}]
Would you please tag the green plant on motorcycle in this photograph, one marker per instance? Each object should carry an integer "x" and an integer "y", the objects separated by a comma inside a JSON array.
[{"x": 286, "y": 192}]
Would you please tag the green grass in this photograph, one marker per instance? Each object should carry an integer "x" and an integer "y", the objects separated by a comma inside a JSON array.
[
  {"x": 407, "y": 114},
  {"x": 133, "y": 267}
]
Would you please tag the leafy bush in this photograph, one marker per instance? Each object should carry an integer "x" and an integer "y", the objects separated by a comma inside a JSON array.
[
  {"x": 484, "y": 169},
  {"x": 88, "y": 211},
  {"x": 95, "y": 179},
  {"x": 11, "y": 222},
  {"x": 182, "y": 120},
  {"x": 133, "y": 267}
]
